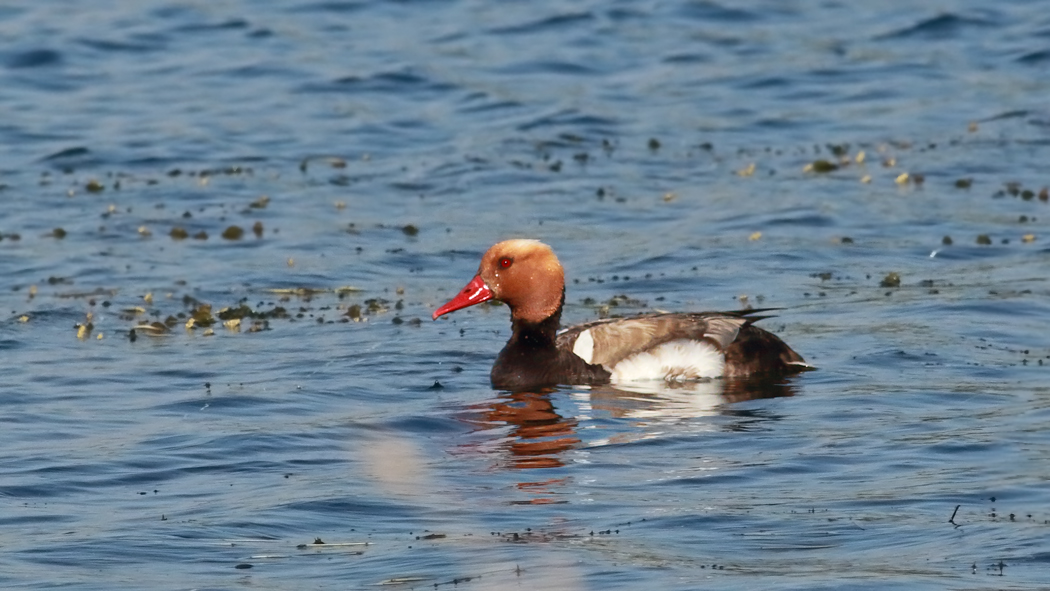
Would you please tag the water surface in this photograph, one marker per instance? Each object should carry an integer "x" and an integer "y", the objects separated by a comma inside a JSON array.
[{"x": 662, "y": 149}]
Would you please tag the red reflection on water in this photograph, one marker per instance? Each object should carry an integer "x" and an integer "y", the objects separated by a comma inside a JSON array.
[
  {"x": 539, "y": 434},
  {"x": 540, "y": 488}
]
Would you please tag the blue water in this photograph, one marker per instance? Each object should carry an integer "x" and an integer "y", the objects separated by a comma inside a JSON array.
[{"x": 661, "y": 148}]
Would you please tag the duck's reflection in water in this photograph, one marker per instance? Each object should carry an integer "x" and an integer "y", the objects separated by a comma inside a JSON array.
[
  {"x": 682, "y": 400},
  {"x": 540, "y": 434}
]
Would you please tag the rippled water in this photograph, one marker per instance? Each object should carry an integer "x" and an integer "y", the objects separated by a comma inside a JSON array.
[{"x": 661, "y": 148}]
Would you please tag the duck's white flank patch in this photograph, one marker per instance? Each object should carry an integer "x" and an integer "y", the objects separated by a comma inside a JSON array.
[
  {"x": 672, "y": 361},
  {"x": 584, "y": 346}
]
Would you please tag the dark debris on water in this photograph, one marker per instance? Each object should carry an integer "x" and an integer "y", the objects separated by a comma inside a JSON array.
[{"x": 148, "y": 317}]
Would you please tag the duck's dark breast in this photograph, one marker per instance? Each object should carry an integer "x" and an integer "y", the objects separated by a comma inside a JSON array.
[{"x": 520, "y": 367}]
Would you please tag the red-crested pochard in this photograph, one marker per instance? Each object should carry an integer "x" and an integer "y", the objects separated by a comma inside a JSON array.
[{"x": 526, "y": 275}]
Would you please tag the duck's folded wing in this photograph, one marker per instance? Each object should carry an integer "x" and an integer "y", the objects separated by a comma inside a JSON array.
[{"x": 607, "y": 342}]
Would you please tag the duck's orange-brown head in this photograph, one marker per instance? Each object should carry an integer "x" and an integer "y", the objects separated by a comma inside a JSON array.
[{"x": 524, "y": 274}]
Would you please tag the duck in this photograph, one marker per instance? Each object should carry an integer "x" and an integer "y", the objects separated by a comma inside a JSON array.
[{"x": 527, "y": 276}]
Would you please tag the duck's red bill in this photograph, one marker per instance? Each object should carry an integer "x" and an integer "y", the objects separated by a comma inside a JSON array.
[{"x": 474, "y": 293}]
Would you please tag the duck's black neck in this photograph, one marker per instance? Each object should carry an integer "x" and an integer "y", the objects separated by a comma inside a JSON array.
[{"x": 539, "y": 335}]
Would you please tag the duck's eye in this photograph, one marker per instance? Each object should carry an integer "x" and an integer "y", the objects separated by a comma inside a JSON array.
[{"x": 505, "y": 262}]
